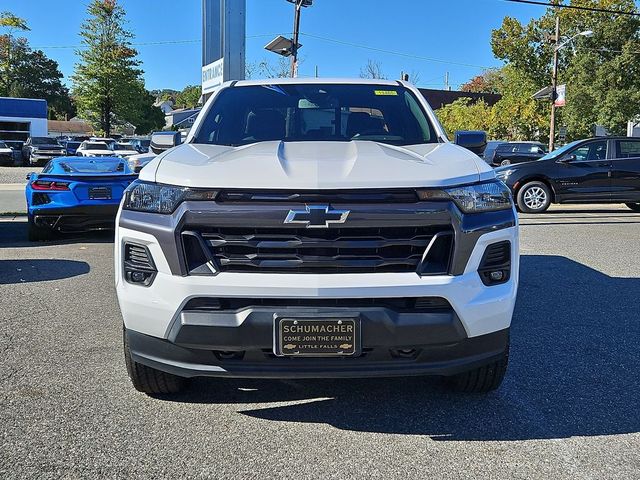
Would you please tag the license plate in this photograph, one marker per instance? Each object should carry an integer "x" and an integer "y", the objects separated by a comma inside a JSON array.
[
  {"x": 314, "y": 337},
  {"x": 100, "y": 193}
]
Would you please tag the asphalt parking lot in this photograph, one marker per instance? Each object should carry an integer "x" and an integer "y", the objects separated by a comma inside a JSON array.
[{"x": 568, "y": 408}]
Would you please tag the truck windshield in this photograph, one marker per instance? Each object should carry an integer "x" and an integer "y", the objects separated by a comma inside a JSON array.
[{"x": 316, "y": 112}]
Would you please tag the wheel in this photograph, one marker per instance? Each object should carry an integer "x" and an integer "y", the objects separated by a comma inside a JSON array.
[
  {"x": 634, "y": 206},
  {"x": 504, "y": 163},
  {"x": 483, "y": 379},
  {"x": 36, "y": 233},
  {"x": 149, "y": 380},
  {"x": 534, "y": 197}
]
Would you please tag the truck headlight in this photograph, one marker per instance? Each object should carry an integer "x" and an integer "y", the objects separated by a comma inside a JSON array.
[
  {"x": 475, "y": 198},
  {"x": 160, "y": 198}
]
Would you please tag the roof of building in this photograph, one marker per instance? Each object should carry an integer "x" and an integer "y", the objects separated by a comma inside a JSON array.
[{"x": 69, "y": 127}]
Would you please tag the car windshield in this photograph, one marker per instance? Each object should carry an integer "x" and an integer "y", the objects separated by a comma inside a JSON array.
[
  {"x": 117, "y": 146},
  {"x": 95, "y": 146},
  {"x": 43, "y": 141},
  {"x": 3, "y": 145},
  {"x": 73, "y": 144},
  {"x": 316, "y": 112},
  {"x": 560, "y": 151}
]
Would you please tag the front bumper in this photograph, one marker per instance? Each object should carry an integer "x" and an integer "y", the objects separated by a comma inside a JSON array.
[
  {"x": 381, "y": 361},
  {"x": 76, "y": 219}
]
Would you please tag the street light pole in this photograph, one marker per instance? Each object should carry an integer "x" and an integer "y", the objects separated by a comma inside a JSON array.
[
  {"x": 554, "y": 85},
  {"x": 296, "y": 36}
]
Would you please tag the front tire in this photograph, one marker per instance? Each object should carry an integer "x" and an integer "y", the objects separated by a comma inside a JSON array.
[
  {"x": 149, "y": 380},
  {"x": 483, "y": 379},
  {"x": 35, "y": 233},
  {"x": 634, "y": 206},
  {"x": 534, "y": 197}
]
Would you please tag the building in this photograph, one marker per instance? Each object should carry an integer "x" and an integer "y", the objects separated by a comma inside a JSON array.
[
  {"x": 165, "y": 105},
  {"x": 182, "y": 118},
  {"x": 21, "y": 118},
  {"x": 440, "y": 98},
  {"x": 78, "y": 128}
]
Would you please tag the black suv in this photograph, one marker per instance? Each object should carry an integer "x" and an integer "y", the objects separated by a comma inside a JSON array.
[
  {"x": 597, "y": 170},
  {"x": 516, "y": 152}
]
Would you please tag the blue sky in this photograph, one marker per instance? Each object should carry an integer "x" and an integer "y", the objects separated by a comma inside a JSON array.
[{"x": 456, "y": 31}]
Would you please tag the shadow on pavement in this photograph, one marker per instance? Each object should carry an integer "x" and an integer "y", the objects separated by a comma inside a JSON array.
[
  {"x": 40, "y": 270},
  {"x": 13, "y": 234},
  {"x": 575, "y": 371}
]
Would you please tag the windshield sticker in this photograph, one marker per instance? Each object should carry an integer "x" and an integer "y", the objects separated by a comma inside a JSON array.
[{"x": 383, "y": 93}]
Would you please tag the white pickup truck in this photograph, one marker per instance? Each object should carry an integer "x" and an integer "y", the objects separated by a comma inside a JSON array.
[{"x": 316, "y": 228}]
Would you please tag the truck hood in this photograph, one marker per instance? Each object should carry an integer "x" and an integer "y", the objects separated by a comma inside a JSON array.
[{"x": 317, "y": 165}]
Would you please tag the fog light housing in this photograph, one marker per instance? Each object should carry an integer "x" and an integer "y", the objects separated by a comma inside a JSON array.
[
  {"x": 139, "y": 268},
  {"x": 495, "y": 266}
]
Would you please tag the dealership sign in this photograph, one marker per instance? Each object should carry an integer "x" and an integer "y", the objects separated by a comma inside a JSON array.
[{"x": 212, "y": 76}]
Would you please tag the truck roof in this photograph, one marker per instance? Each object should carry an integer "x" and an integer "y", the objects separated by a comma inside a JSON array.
[{"x": 310, "y": 81}]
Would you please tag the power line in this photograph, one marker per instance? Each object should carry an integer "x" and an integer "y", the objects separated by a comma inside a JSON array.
[
  {"x": 144, "y": 44},
  {"x": 392, "y": 52},
  {"x": 574, "y": 7}
]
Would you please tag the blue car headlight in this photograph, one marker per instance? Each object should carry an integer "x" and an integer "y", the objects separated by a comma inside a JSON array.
[
  {"x": 474, "y": 198},
  {"x": 160, "y": 198}
]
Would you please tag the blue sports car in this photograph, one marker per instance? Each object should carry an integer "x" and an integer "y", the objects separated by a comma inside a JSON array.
[{"x": 76, "y": 194}]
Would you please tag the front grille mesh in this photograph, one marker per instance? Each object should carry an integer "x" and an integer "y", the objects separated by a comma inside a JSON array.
[{"x": 332, "y": 250}]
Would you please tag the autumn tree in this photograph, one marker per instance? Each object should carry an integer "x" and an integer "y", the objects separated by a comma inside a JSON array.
[{"x": 106, "y": 82}]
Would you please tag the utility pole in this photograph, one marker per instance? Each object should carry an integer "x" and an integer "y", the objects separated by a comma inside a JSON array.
[
  {"x": 554, "y": 85},
  {"x": 296, "y": 36}
]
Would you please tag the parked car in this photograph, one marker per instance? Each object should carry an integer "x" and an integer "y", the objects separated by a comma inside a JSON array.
[
  {"x": 74, "y": 194},
  {"x": 306, "y": 229},
  {"x": 517, "y": 152},
  {"x": 90, "y": 148},
  {"x": 490, "y": 150},
  {"x": 109, "y": 141},
  {"x": 6, "y": 155},
  {"x": 141, "y": 145},
  {"x": 38, "y": 150},
  {"x": 124, "y": 151},
  {"x": 596, "y": 170},
  {"x": 71, "y": 146},
  {"x": 157, "y": 144}
]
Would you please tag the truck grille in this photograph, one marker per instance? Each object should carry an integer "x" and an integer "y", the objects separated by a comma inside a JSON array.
[{"x": 332, "y": 250}]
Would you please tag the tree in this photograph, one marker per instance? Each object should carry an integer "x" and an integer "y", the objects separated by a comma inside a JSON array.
[
  {"x": 107, "y": 79},
  {"x": 11, "y": 23},
  {"x": 189, "y": 96},
  {"x": 487, "y": 82},
  {"x": 147, "y": 118},
  {"x": 603, "y": 86},
  {"x": 464, "y": 114},
  {"x": 372, "y": 69},
  {"x": 39, "y": 76}
]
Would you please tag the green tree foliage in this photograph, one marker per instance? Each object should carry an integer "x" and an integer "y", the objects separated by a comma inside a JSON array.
[
  {"x": 189, "y": 97},
  {"x": 601, "y": 73},
  {"x": 464, "y": 114},
  {"x": 107, "y": 80},
  {"x": 27, "y": 73},
  {"x": 147, "y": 118}
]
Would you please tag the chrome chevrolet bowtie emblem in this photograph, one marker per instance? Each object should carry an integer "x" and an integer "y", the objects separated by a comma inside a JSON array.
[{"x": 317, "y": 216}]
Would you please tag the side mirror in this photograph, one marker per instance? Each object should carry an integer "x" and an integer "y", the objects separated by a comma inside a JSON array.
[
  {"x": 568, "y": 159},
  {"x": 476, "y": 141},
  {"x": 161, "y": 141},
  {"x": 29, "y": 175}
]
